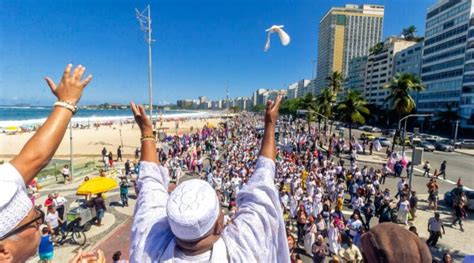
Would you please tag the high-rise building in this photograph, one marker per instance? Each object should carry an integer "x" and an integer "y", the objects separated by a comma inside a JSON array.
[
  {"x": 356, "y": 74},
  {"x": 448, "y": 59},
  {"x": 380, "y": 69},
  {"x": 344, "y": 33},
  {"x": 293, "y": 91}
]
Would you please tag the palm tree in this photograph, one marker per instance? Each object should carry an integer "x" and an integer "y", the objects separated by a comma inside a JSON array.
[
  {"x": 400, "y": 99},
  {"x": 448, "y": 117},
  {"x": 400, "y": 87},
  {"x": 335, "y": 82},
  {"x": 352, "y": 110},
  {"x": 309, "y": 104},
  {"x": 325, "y": 102},
  {"x": 409, "y": 32}
]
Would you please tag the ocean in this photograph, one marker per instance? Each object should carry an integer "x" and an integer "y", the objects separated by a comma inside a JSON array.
[{"x": 34, "y": 115}]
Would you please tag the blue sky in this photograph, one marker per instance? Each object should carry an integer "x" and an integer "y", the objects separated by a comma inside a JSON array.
[{"x": 200, "y": 45}]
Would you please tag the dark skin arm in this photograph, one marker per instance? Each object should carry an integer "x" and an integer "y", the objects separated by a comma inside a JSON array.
[
  {"x": 268, "y": 148},
  {"x": 39, "y": 150},
  {"x": 148, "y": 146}
]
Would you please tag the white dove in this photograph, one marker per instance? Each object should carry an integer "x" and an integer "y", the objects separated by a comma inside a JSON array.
[{"x": 284, "y": 37}]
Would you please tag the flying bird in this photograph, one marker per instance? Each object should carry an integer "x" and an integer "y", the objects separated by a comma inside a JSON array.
[{"x": 284, "y": 37}]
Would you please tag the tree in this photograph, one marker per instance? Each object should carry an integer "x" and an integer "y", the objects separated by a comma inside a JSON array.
[
  {"x": 376, "y": 49},
  {"x": 352, "y": 110},
  {"x": 448, "y": 117},
  {"x": 258, "y": 108},
  {"x": 400, "y": 87},
  {"x": 309, "y": 104},
  {"x": 409, "y": 33},
  {"x": 400, "y": 99},
  {"x": 289, "y": 106},
  {"x": 335, "y": 82},
  {"x": 325, "y": 102}
]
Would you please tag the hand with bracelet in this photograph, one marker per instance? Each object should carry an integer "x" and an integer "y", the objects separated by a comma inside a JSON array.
[{"x": 148, "y": 152}]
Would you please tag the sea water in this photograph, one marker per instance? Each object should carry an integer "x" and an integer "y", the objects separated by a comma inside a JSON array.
[{"x": 36, "y": 115}]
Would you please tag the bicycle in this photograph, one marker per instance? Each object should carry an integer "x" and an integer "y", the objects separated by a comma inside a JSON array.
[{"x": 75, "y": 231}]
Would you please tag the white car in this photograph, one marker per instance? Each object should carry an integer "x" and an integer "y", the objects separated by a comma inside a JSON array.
[
  {"x": 375, "y": 129},
  {"x": 366, "y": 128}
]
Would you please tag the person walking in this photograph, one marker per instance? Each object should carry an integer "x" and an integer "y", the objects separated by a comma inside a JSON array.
[
  {"x": 104, "y": 153},
  {"x": 46, "y": 246},
  {"x": 65, "y": 173},
  {"x": 434, "y": 227},
  {"x": 403, "y": 209},
  {"x": 459, "y": 213},
  {"x": 442, "y": 169},
  {"x": 124, "y": 192},
  {"x": 100, "y": 208},
  {"x": 119, "y": 154},
  {"x": 426, "y": 169},
  {"x": 111, "y": 159},
  {"x": 60, "y": 204},
  {"x": 368, "y": 209},
  {"x": 432, "y": 194},
  {"x": 413, "y": 204}
]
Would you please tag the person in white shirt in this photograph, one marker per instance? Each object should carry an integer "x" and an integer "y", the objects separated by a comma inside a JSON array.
[
  {"x": 19, "y": 220},
  {"x": 187, "y": 226}
]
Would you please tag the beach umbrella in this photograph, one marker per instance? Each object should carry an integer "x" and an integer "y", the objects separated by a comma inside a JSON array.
[
  {"x": 97, "y": 185},
  {"x": 11, "y": 128},
  {"x": 284, "y": 37}
]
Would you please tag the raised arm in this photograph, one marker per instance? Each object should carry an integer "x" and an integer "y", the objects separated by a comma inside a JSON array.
[
  {"x": 150, "y": 231},
  {"x": 39, "y": 150},
  {"x": 257, "y": 232},
  {"x": 268, "y": 148}
]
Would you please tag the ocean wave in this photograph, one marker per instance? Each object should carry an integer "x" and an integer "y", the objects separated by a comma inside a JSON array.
[{"x": 100, "y": 119}]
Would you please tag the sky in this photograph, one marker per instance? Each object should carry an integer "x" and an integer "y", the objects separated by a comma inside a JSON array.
[{"x": 201, "y": 46}]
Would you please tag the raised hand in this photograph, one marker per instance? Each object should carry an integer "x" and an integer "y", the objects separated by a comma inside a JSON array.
[
  {"x": 71, "y": 86},
  {"x": 271, "y": 112},
  {"x": 141, "y": 119}
]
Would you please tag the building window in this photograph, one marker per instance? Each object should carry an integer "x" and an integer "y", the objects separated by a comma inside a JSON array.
[
  {"x": 443, "y": 75},
  {"x": 447, "y": 64}
]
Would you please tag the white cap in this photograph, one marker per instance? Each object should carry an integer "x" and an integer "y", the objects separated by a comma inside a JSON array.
[
  {"x": 14, "y": 202},
  {"x": 192, "y": 209}
]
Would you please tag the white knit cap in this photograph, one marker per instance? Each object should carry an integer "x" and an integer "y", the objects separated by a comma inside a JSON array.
[
  {"x": 14, "y": 202},
  {"x": 193, "y": 209}
]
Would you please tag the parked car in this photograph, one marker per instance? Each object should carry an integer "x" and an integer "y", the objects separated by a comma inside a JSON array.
[
  {"x": 427, "y": 147},
  {"x": 449, "y": 198},
  {"x": 466, "y": 144},
  {"x": 444, "y": 146},
  {"x": 365, "y": 128},
  {"x": 340, "y": 127},
  {"x": 367, "y": 136},
  {"x": 375, "y": 129},
  {"x": 384, "y": 142},
  {"x": 389, "y": 132}
]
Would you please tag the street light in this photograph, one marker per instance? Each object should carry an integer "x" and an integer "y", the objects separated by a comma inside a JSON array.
[{"x": 405, "y": 126}]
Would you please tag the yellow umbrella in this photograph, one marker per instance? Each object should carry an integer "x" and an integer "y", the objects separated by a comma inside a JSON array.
[
  {"x": 11, "y": 128},
  {"x": 97, "y": 185}
]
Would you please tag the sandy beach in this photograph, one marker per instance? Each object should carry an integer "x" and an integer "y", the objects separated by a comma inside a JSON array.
[{"x": 90, "y": 141}]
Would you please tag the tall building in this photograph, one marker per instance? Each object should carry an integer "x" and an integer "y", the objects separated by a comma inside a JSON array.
[
  {"x": 344, "y": 33},
  {"x": 356, "y": 74},
  {"x": 448, "y": 59},
  {"x": 293, "y": 91},
  {"x": 380, "y": 69}
]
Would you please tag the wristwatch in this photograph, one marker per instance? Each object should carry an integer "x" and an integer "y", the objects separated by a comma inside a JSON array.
[{"x": 67, "y": 105}]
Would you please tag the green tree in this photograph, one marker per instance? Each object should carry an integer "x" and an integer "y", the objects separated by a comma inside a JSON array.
[
  {"x": 352, "y": 109},
  {"x": 335, "y": 82},
  {"x": 400, "y": 87},
  {"x": 289, "y": 106},
  {"x": 258, "y": 108},
  {"x": 409, "y": 33},
  {"x": 325, "y": 102},
  {"x": 309, "y": 104},
  {"x": 448, "y": 117},
  {"x": 376, "y": 49}
]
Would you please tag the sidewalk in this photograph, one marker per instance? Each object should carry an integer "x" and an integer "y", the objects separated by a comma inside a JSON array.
[{"x": 469, "y": 152}]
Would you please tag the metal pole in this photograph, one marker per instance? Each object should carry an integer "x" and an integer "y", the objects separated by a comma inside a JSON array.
[
  {"x": 149, "y": 65},
  {"x": 411, "y": 168},
  {"x": 456, "y": 134},
  {"x": 71, "y": 169},
  {"x": 403, "y": 139}
]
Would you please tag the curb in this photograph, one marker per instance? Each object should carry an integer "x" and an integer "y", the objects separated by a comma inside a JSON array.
[{"x": 469, "y": 154}]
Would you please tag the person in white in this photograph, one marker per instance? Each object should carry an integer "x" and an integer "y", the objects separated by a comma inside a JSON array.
[
  {"x": 19, "y": 220},
  {"x": 186, "y": 225}
]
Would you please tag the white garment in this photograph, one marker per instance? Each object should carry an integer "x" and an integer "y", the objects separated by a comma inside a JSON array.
[
  {"x": 52, "y": 219},
  {"x": 173, "y": 254},
  {"x": 333, "y": 235},
  {"x": 257, "y": 233}
]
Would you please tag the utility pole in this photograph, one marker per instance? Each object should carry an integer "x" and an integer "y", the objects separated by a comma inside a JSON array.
[{"x": 144, "y": 18}]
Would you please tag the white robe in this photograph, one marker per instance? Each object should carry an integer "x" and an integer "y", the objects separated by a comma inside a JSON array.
[{"x": 257, "y": 233}]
